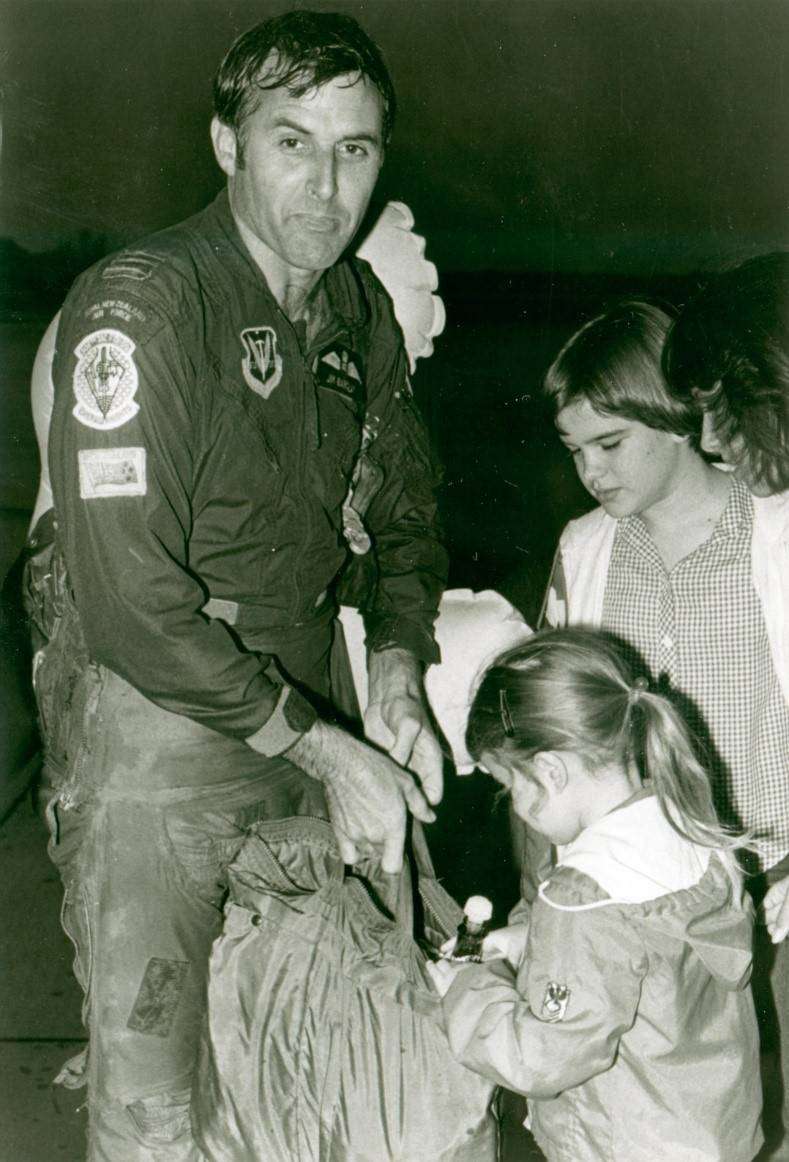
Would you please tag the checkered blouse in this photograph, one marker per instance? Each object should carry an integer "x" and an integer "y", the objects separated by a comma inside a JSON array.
[{"x": 700, "y": 627}]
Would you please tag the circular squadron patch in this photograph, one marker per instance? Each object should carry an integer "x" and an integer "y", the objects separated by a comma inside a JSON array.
[{"x": 105, "y": 380}]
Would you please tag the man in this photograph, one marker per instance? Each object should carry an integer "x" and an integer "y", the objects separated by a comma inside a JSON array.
[
  {"x": 684, "y": 564},
  {"x": 218, "y": 390}
]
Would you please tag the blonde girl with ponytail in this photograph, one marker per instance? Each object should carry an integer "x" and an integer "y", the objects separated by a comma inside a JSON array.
[{"x": 625, "y": 1016}]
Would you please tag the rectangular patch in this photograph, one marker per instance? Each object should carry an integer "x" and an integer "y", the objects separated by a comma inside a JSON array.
[
  {"x": 338, "y": 371},
  {"x": 157, "y": 1000},
  {"x": 111, "y": 472}
]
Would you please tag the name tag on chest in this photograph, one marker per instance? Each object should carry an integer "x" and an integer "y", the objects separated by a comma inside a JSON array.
[{"x": 338, "y": 370}]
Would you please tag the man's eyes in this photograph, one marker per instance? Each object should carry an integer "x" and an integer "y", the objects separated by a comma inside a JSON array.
[
  {"x": 611, "y": 444},
  {"x": 349, "y": 149},
  {"x": 353, "y": 149}
]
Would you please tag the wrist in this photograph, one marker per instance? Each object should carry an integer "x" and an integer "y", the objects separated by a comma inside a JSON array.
[
  {"x": 316, "y": 752},
  {"x": 395, "y": 670}
]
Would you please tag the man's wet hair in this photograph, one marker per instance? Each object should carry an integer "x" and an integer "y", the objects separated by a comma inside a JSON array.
[
  {"x": 614, "y": 363},
  {"x": 299, "y": 51}
]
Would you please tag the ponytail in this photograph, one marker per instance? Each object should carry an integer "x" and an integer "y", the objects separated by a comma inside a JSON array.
[
  {"x": 574, "y": 689},
  {"x": 662, "y": 744}
]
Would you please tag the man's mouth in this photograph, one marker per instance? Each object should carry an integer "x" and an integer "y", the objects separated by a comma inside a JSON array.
[{"x": 318, "y": 223}]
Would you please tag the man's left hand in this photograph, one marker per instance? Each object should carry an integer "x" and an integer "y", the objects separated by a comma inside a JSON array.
[{"x": 397, "y": 718}]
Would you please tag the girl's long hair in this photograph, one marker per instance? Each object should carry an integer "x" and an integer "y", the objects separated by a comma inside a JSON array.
[{"x": 574, "y": 690}]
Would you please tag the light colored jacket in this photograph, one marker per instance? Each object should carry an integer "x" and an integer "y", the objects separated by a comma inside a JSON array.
[
  {"x": 586, "y": 545},
  {"x": 628, "y": 1023}
]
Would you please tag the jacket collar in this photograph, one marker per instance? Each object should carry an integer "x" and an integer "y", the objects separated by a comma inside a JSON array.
[{"x": 341, "y": 283}]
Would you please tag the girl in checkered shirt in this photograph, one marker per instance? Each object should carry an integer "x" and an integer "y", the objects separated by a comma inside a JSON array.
[{"x": 624, "y": 1013}]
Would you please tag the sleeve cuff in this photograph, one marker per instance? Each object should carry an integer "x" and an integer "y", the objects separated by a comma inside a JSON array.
[
  {"x": 385, "y": 633},
  {"x": 290, "y": 719}
]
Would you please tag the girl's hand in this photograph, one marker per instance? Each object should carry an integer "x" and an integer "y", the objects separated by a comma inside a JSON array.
[
  {"x": 776, "y": 910},
  {"x": 506, "y": 944},
  {"x": 442, "y": 973}
]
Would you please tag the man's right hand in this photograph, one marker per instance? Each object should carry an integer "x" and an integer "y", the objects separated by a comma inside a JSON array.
[{"x": 366, "y": 791}]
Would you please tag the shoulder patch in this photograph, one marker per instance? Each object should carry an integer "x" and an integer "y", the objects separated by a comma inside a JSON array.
[
  {"x": 111, "y": 472},
  {"x": 128, "y": 312},
  {"x": 105, "y": 380}
]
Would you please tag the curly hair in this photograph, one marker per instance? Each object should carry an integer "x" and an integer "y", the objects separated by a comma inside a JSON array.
[{"x": 729, "y": 351}]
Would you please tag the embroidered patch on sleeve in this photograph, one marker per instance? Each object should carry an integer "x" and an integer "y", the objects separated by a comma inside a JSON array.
[
  {"x": 134, "y": 265},
  {"x": 555, "y": 1001},
  {"x": 105, "y": 380},
  {"x": 124, "y": 310},
  {"x": 111, "y": 472},
  {"x": 157, "y": 1000}
]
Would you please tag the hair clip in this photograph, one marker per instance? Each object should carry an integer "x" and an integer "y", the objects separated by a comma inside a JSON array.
[
  {"x": 639, "y": 687},
  {"x": 506, "y": 717}
]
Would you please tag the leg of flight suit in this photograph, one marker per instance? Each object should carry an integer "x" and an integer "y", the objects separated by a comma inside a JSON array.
[{"x": 145, "y": 882}]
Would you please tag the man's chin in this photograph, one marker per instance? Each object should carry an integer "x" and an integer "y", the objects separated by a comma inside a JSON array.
[{"x": 319, "y": 253}]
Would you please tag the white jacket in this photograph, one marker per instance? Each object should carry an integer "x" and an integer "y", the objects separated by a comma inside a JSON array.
[{"x": 586, "y": 545}]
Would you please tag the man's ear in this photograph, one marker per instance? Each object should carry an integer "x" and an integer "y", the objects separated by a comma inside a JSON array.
[
  {"x": 551, "y": 769},
  {"x": 225, "y": 145}
]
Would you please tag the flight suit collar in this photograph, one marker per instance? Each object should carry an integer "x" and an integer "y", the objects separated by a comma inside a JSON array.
[{"x": 348, "y": 308}]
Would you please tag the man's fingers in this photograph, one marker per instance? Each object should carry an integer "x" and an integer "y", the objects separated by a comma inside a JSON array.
[
  {"x": 417, "y": 803},
  {"x": 407, "y": 733},
  {"x": 392, "y": 857},
  {"x": 377, "y": 731},
  {"x": 429, "y": 765},
  {"x": 348, "y": 851}
]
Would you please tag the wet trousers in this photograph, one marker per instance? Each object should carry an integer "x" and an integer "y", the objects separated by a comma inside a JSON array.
[{"x": 144, "y": 819}]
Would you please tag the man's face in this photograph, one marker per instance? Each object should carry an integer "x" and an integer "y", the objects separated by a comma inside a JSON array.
[
  {"x": 626, "y": 466},
  {"x": 309, "y": 166}
]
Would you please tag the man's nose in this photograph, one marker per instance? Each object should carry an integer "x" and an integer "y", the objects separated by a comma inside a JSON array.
[
  {"x": 322, "y": 182},
  {"x": 709, "y": 436}
]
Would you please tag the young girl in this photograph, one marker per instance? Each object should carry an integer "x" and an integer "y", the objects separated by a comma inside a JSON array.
[{"x": 626, "y": 1019}]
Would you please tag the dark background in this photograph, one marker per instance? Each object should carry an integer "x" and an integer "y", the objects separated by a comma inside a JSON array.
[{"x": 556, "y": 154}]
